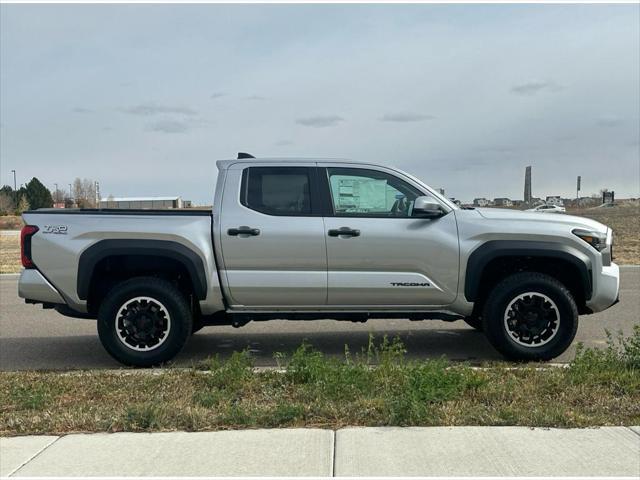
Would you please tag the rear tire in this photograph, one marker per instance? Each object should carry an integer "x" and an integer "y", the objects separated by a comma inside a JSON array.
[
  {"x": 144, "y": 322},
  {"x": 530, "y": 316}
]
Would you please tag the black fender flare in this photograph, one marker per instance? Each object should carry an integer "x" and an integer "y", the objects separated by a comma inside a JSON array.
[
  {"x": 493, "y": 249},
  {"x": 137, "y": 247}
]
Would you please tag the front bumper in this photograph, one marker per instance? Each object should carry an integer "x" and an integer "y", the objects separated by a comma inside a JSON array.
[
  {"x": 33, "y": 287},
  {"x": 606, "y": 288}
]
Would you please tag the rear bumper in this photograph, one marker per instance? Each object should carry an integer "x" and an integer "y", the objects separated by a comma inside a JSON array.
[
  {"x": 606, "y": 288},
  {"x": 32, "y": 286}
]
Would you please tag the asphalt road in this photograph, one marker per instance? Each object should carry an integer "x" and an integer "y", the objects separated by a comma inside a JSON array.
[{"x": 32, "y": 338}]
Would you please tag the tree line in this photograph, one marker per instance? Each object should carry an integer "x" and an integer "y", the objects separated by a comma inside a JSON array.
[{"x": 35, "y": 194}]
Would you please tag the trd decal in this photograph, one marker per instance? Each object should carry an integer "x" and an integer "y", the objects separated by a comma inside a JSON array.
[
  {"x": 410, "y": 284},
  {"x": 58, "y": 229}
]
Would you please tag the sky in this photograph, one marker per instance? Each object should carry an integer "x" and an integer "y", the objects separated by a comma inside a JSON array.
[{"x": 144, "y": 98}]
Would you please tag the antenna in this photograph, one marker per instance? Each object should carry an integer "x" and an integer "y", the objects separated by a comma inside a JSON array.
[{"x": 242, "y": 155}]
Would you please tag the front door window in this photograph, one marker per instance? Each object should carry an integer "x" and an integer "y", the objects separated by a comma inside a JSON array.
[{"x": 359, "y": 192}]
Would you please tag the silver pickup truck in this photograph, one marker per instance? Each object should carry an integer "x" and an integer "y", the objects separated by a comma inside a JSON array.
[{"x": 315, "y": 239}]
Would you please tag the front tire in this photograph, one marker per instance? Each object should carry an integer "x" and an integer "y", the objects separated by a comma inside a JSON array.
[
  {"x": 530, "y": 316},
  {"x": 144, "y": 322}
]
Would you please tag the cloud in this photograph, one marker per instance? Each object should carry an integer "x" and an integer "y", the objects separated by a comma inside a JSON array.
[
  {"x": 533, "y": 87},
  {"x": 81, "y": 110},
  {"x": 320, "y": 121},
  {"x": 169, "y": 126},
  {"x": 215, "y": 95},
  {"x": 405, "y": 117},
  {"x": 608, "y": 121},
  {"x": 565, "y": 138},
  {"x": 255, "y": 97},
  {"x": 507, "y": 149},
  {"x": 283, "y": 143},
  {"x": 148, "y": 109}
]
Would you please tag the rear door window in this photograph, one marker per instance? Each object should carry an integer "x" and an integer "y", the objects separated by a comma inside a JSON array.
[{"x": 277, "y": 190}]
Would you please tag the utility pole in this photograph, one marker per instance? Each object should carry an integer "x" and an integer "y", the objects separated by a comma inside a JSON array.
[{"x": 57, "y": 199}]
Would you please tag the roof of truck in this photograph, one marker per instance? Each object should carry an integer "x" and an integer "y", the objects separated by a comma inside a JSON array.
[{"x": 222, "y": 164}]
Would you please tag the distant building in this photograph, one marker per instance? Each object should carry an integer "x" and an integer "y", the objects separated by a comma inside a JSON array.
[
  {"x": 481, "y": 202},
  {"x": 59, "y": 205},
  {"x": 142, "y": 202},
  {"x": 555, "y": 200},
  {"x": 502, "y": 202}
]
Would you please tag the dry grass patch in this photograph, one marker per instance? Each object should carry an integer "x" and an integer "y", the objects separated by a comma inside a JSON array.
[
  {"x": 602, "y": 387},
  {"x": 10, "y": 253},
  {"x": 11, "y": 222},
  {"x": 624, "y": 219}
]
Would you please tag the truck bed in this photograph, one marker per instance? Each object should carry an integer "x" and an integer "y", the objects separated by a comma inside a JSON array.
[{"x": 66, "y": 237}]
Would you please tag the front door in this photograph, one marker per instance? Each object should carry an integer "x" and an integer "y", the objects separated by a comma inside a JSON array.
[
  {"x": 272, "y": 237},
  {"x": 377, "y": 253}
]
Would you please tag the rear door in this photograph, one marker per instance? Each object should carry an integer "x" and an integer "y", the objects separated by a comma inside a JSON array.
[
  {"x": 377, "y": 253},
  {"x": 272, "y": 237}
]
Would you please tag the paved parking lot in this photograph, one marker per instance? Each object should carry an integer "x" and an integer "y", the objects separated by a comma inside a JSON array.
[{"x": 33, "y": 338}]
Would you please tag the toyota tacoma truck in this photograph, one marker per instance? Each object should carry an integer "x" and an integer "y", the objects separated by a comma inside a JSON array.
[{"x": 317, "y": 239}]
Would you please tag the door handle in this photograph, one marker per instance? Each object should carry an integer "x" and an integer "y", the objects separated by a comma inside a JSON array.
[
  {"x": 234, "y": 232},
  {"x": 346, "y": 231}
]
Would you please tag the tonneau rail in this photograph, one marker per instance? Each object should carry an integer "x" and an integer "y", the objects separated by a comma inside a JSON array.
[{"x": 117, "y": 211}]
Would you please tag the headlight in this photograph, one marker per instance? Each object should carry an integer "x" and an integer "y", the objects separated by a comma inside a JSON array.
[{"x": 596, "y": 239}]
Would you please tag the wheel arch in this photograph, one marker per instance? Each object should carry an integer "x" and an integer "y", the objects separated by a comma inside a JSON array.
[
  {"x": 496, "y": 257},
  {"x": 175, "y": 255}
]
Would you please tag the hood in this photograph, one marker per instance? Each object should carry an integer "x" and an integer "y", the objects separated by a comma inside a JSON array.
[{"x": 537, "y": 217}]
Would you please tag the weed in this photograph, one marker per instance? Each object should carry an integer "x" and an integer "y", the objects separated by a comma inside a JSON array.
[
  {"x": 34, "y": 397},
  {"x": 142, "y": 417},
  {"x": 284, "y": 414}
]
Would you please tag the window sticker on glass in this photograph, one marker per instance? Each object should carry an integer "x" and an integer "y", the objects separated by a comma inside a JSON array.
[{"x": 363, "y": 192}]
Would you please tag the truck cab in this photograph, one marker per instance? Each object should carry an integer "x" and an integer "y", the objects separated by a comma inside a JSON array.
[{"x": 322, "y": 235}]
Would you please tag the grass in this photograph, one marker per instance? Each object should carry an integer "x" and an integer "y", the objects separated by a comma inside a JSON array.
[
  {"x": 11, "y": 222},
  {"x": 10, "y": 253},
  {"x": 601, "y": 387}
]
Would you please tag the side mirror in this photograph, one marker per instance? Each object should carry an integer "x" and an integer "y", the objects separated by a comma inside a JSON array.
[{"x": 427, "y": 207}]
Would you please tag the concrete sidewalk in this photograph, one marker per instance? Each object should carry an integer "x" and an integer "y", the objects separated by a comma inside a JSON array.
[{"x": 413, "y": 451}]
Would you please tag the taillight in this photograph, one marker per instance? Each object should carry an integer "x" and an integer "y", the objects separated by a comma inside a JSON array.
[{"x": 25, "y": 245}]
